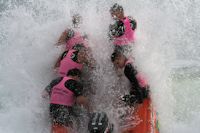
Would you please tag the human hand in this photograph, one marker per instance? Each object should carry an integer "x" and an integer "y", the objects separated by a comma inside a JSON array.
[
  {"x": 129, "y": 99},
  {"x": 82, "y": 101},
  {"x": 58, "y": 44},
  {"x": 45, "y": 94},
  {"x": 55, "y": 69}
]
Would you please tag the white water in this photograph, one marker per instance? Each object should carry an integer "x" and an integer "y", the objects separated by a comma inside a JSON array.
[{"x": 167, "y": 51}]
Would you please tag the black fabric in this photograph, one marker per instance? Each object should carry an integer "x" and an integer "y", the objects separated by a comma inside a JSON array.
[
  {"x": 115, "y": 55},
  {"x": 145, "y": 92},
  {"x": 74, "y": 72},
  {"x": 132, "y": 98},
  {"x": 117, "y": 29},
  {"x": 61, "y": 114},
  {"x": 130, "y": 72},
  {"x": 64, "y": 54},
  {"x": 74, "y": 55},
  {"x": 78, "y": 46},
  {"x": 133, "y": 24},
  {"x": 74, "y": 86},
  {"x": 129, "y": 99}
]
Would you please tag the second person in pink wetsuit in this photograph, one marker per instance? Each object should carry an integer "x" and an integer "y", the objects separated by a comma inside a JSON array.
[
  {"x": 64, "y": 93},
  {"x": 75, "y": 59},
  {"x": 71, "y": 60},
  {"x": 140, "y": 87},
  {"x": 72, "y": 38},
  {"x": 122, "y": 32}
]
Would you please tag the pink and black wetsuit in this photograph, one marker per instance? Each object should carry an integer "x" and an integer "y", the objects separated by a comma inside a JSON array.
[
  {"x": 68, "y": 62},
  {"x": 75, "y": 38},
  {"x": 128, "y": 35},
  {"x": 123, "y": 33},
  {"x": 63, "y": 91},
  {"x": 61, "y": 95}
]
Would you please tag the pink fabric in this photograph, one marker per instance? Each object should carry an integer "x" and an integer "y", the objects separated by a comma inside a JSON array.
[
  {"x": 76, "y": 39},
  {"x": 129, "y": 35},
  {"x": 140, "y": 77},
  {"x": 67, "y": 64},
  {"x": 142, "y": 81},
  {"x": 62, "y": 95}
]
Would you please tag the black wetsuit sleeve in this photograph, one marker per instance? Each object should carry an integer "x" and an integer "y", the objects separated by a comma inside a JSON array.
[
  {"x": 133, "y": 23},
  {"x": 117, "y": 29},
  {"x": 63, "y": 54},
  {"x": 74, "y": 56},
  {"x": 74, "y": 86},
  {"x": 52, "y": 84},
  {"x": 130, "y": 72}
]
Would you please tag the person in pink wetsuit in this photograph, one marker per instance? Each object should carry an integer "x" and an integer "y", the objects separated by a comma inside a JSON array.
[
  {"x": 64, "y": 92},
  {"x": 122, "y": 32},
  {"x": 140, "y": 87},
  {"x": 71, "y": 38}
]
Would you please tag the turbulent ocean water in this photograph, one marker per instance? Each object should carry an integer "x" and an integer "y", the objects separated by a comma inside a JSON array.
[{"x": 166, "y": 50}]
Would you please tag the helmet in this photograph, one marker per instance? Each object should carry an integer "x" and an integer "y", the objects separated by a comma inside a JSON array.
[
  {"x": 76, "y": 19},
  {"x": 99, "y": 123},
  {"x": 116, "y": 7}
]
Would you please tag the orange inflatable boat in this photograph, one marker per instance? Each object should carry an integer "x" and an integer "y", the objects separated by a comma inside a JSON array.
[
  {"x": 56, "y": 128},
  {"x": 144, "y": 114},
  {"x": 147, "y": 123}
]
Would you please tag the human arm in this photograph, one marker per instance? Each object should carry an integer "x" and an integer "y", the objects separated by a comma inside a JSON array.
[
  {"x": 47, "y": 91},
  {"x": 117, "y": 29},
  {"x": 62, "y": 38},
  {"x": 77, "y": 88},
  {"x": 133, "y": 23},
  {"x": 130, "y": 72},
  {"x": 57, "y": 64},
  {"x": 65, "y": 36}
]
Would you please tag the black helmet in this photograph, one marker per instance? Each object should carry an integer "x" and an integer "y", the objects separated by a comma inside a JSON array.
[
  {"x": 116, "y": 7},
  {"x": 76, "y": 19},
  {"x": 99, "y": 123}
]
